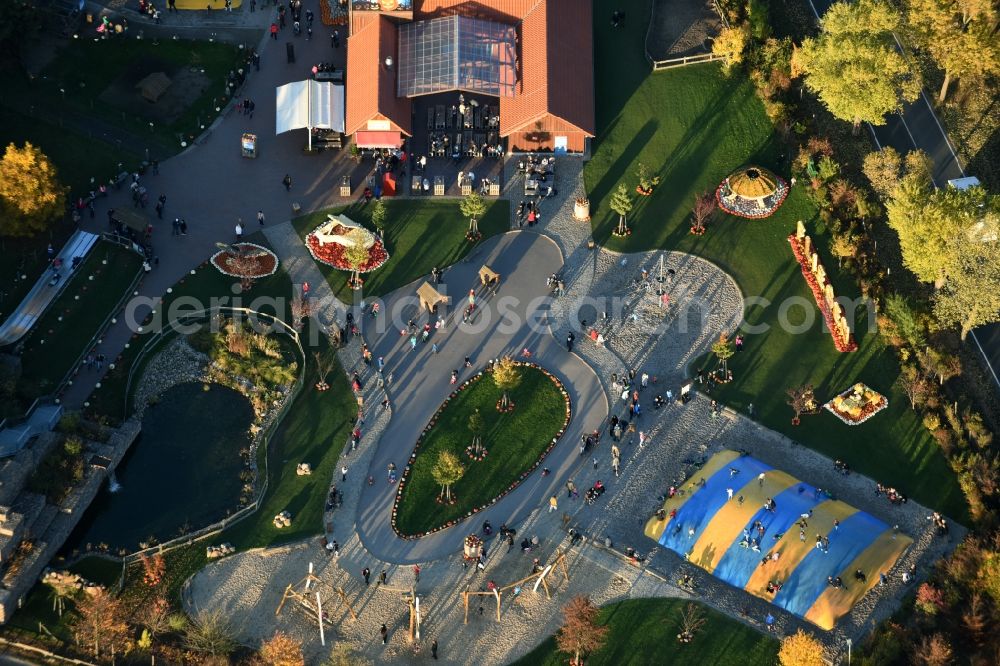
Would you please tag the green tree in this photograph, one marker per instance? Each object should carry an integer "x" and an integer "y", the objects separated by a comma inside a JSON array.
[
  {"x": 723, "y": 350},
  {"x": 31, "y": 197},
  {"x": 356, "y": 256},
  {"x": 621, "y": 203},
  {"x": 447, "y": 471},
  {"x": 476, "y": 428},
  {"x": 379, "y": 213},
  {"x": 473, "y": 207},
  {"x": 971, "y": 295},
  {"x": 882, "y": 169},
  {"x": 507, "y": 377},
  {"x": 936, "y": 226},
  {"x": 959, "y": 34},
  {"x": 903, "y": 317},
  {"x": 853, "y": 65},
  {"x": 731, "y": 44}
]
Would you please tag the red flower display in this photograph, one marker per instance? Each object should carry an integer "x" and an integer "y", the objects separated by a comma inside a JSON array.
[
  {"x": 332, "y": 254},
  {"x": 847, "y": 345}
]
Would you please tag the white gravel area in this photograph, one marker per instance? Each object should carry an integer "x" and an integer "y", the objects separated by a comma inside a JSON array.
[{"x": 642, "y": 336}]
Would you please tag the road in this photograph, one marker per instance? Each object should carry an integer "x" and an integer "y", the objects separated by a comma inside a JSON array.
[{"x": 918, "y": 127}]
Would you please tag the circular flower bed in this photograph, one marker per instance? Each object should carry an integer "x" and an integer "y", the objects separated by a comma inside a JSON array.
[
  {"x": 498, "y": 458},
  {"x": 256, "y": 261},
  {"x": 334, "y": 254}
]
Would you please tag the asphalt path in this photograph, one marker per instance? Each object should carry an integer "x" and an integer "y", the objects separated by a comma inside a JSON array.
[{"x": 421, "y": 382}]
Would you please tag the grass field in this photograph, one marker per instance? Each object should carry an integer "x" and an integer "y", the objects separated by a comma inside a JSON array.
[
  {"x": 644, "y": 631},
  {"x": 514, "y": 441},
  {"x": 95, "y": 80},
  {"x": 71, "y": 321},
  {"x": 419, "y": 235},
  {"x": 693, "y": 126}
]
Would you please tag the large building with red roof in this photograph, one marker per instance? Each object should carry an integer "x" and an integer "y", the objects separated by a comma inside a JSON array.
[{"x": 535, "y": 56}]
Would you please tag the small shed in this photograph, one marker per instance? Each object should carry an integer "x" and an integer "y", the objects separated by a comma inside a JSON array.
[{"x": 153, "y": 86}]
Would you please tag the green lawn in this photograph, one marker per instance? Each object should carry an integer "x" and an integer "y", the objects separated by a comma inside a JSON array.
[
  {"x": 96, "y": 79},
  {"x": 644, "y": 631},
  {"x": 514, "y": 441},
  {"x": 694, "y": 126},
  {"x": 419, "y": 235},
  {"x": 314, "y": 430},
  {"x": 64, "y": 331}
]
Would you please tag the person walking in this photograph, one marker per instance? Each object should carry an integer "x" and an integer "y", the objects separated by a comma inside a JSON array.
[
  {"x": 366, "y": 574},
  {"x": 570, "y": 338},
  {"x": 343, "y": 474},
  {"x": 553, "y": 504},
  {"x": 642, "y": 439},
  {"x": 260, "y": 217},
  {"x": 416, "y": 573},
  {"x": 184, "y": 227},
  {"x": 335, "y": 39},
  {"x": 382, "y": 577},
  {"x": 287, "y": 182},
  {"x": 570, "y": 489},
  {"x": 385, "y": 633},
  {"x": 239, "y": 229},
  {"x": 274, "y": 31},
  {"x": 434, "y": 649}
]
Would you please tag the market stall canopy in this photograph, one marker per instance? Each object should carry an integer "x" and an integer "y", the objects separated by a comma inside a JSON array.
[
  {"x": 132, "y": 219},
  {"x": 309, "y": 104}
]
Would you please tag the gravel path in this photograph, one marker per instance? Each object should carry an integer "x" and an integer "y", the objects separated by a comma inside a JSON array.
[{"x": 640, "y": 335}]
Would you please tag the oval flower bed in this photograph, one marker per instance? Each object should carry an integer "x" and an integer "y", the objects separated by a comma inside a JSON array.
[
  {"x": 262, "y": 262},
  {"x": 334, "y": 254},
  {"x": 517, "y": 442}
]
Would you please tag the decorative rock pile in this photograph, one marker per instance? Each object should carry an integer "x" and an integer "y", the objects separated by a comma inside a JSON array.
[
  {"x": 213, "y": 552},
  {"x": 283, "y": 519},
  {"x": 304, "y": 469},
  {"x": 67, "y": 580}
]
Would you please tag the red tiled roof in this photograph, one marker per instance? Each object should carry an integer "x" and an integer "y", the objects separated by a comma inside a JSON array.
[
  {"x": 556, "y": 68},
  {"x": 507, "y": 11},
  {"x": 371, "y": 92}
]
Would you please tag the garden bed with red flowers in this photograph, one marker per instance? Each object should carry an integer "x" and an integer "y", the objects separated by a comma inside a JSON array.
[
  {"x": 334, "y": 254},
  {"x": 847, "y": 345},
  {"x": 518, "y": 443},
  {"x": 262, "y": 262}
]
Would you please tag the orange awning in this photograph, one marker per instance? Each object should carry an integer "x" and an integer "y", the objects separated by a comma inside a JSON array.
[{"x": 368, "y": 139}]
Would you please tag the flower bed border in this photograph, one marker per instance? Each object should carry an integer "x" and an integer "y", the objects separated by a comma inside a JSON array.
[
  {"x": 433, "y": 421},
  {"x": 848, "y": 345},
  {"x": 312, "y": 251},
  {"x": 217, "y": 266},
  {"x": 875, "y": 409}
]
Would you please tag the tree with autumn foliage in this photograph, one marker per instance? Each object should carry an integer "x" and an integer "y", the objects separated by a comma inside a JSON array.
[
  {"x": 153, "y": 569},
  {"x": 580, "y": 634},
  {"x": 704, "y": 206},
  {"x": 801, "y": 649},
  {"x": 960, "y": 35},
  {"x": 99, "y": 625},
  {"x": 281, "y": 650},
  {"x": 31, "y": 197}
]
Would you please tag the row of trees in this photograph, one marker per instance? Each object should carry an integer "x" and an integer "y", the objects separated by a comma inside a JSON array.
[{"x": 855, "y": 65}]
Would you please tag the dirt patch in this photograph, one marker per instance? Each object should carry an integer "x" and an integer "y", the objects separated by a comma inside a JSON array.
[
  {"x": 681, "y": 28},
  {"x": 187, "y": 84}
]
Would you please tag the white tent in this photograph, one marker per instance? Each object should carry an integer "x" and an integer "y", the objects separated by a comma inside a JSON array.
[{"x": 309, "y": 104}]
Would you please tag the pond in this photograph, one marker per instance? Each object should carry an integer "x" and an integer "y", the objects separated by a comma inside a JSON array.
[{"x": 182, "y": 472}]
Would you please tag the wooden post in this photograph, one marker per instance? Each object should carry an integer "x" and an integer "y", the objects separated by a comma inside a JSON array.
[
  {"x": 343, "y": 598},
  {"x": 545, "y": 585},
  {"x": 465, "y": 599},
  {"x": 497, "y": 593},
  {"x": 411, "y": 619}
]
